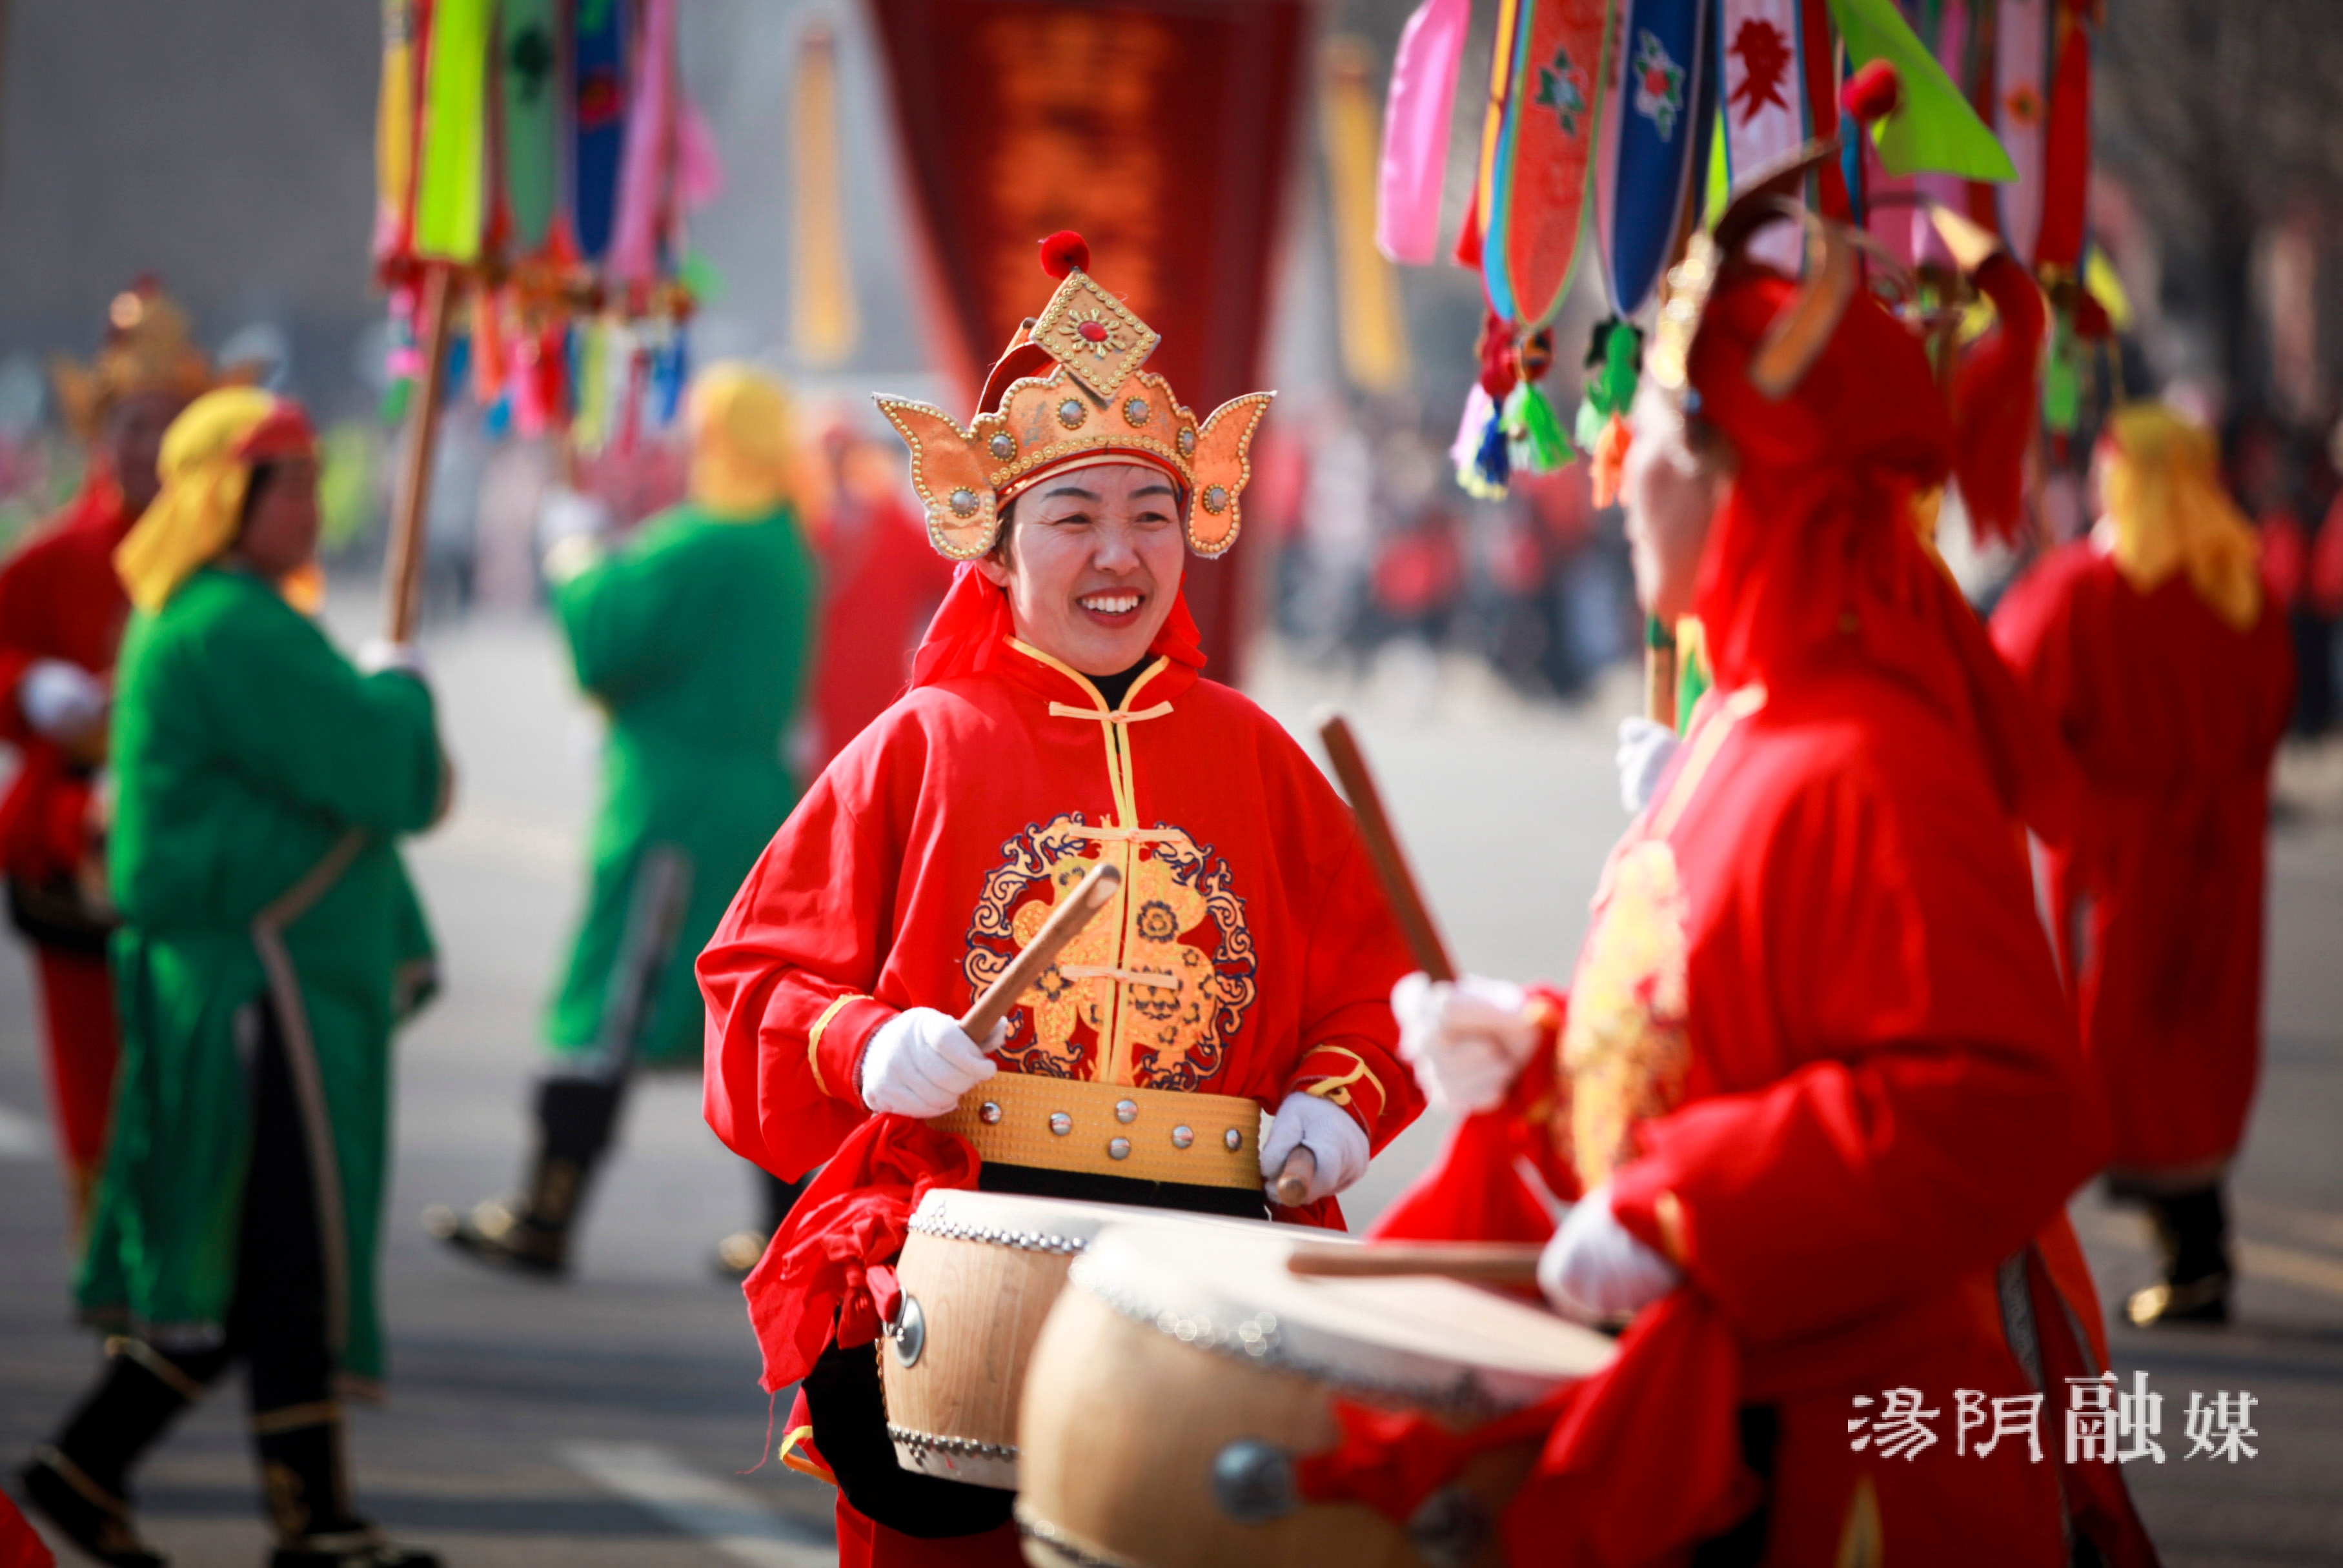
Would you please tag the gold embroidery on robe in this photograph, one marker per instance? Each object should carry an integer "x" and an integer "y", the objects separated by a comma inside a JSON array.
[
  {"x": 1625, "y": 1049},
  {"x": 1153, "y": 989}
]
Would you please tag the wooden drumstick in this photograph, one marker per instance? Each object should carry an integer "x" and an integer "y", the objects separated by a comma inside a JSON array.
[
  {"x": 1482, "y": 1263},
  {"x": 1067, "y": 922},
  {"x": 1292, "y": 1189},
  {"x": 1382, "y": 849}
]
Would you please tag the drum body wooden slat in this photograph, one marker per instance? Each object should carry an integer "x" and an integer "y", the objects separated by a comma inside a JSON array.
[
  {"x": 981, "y": 1271},
  {"x": 982, "y": 1306}
]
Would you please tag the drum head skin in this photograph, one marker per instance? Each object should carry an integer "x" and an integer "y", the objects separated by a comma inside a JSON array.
[{"x": 1453, "y": 1349}]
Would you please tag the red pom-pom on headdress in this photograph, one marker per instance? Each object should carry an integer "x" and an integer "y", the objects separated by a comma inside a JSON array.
[
  {"x": 1064, "y": 251},
  {"x": 1873, "y": 93}
]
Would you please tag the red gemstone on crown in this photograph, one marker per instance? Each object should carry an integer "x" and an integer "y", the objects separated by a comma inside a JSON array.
[{"x": 1092, "y": 331}]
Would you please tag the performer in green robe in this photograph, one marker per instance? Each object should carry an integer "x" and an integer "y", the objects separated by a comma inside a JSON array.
[
  {"x": 268, "y": 948},
  {"x": 692, "y": 637}
]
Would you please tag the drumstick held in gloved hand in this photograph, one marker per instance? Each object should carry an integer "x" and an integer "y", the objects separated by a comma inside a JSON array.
[
  {"x": 1382, "y": 849},
  {"x": 1074, "y": 913},
  {"x": 1483, "y": 1263},
  {"x": 1292, "y": 1189}
]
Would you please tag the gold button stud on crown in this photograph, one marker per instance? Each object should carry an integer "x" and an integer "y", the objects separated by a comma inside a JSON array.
[
  {"x": 1135, "y": 412},
  {"x": 1216, "y": 500},
  {"x": 963, "y": 503},
  {"x": 1004, "y": 445},
  {"x": 1187, "y": 443},
  {"x": 1070, "y": 412}
]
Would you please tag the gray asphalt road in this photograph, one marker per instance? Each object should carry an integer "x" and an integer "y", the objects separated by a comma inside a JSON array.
[{"x": 605, "y": 1421}]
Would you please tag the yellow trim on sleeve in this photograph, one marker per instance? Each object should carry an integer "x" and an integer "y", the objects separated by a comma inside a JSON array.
[
  {"x": 1338, "y": 1089},
  {"x": 813, "y": 1039}
]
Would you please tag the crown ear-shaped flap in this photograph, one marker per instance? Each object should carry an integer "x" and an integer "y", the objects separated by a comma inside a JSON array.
[
  {"x": 1223, "y": 468},
  {"x": 948, "y": 471}
]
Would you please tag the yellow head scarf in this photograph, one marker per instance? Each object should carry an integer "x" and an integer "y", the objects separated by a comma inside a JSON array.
[
  {"x": 2166, "y": 512},
  {"x": 204, "y": 468},
  {"x": 744, "y": 456}
]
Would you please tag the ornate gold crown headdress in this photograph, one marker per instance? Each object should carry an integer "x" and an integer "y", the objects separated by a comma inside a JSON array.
[
  {"x": 148, "y": 349},
  {"x": 1070, "y": 393}
]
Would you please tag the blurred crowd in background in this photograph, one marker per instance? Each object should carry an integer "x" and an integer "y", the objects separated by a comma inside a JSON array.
[{"x": 1364, "y": 538}]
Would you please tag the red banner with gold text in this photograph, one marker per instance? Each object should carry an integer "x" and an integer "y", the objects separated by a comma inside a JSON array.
[{"x": 1160, "y": 130}]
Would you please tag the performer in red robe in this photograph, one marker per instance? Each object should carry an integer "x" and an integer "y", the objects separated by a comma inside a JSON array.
[
  {"x": 1814, "y": 1085},
  {"x": 1058, "y": 718},
  {"x": 62, "y": 611},
  {"x": 880, "y": 591},
  {"x": 2167, "y": 669}
]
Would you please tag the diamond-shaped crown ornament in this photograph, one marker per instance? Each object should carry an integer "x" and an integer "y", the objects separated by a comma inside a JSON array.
[{"x": 1069, "y": 394}]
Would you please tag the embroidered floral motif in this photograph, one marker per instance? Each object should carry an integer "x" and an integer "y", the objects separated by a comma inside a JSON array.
[
  {"x": 1153, "y": 990},
  {"x": 1626, "y": 1049}
]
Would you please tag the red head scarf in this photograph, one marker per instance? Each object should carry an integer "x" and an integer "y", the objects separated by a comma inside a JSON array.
[{"x": 1813, "y": 565}]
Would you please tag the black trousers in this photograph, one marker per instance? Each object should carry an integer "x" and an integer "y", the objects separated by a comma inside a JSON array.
[{"x": 277, "y": 1325}]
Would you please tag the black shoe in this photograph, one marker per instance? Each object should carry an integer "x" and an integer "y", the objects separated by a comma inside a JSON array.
[
  {"x": 493, "y": 1233},
  {"x": 353, "y": 1549},
  {"x": 93, "y": 1520},
  {"x": 2201, "y": 1302}
]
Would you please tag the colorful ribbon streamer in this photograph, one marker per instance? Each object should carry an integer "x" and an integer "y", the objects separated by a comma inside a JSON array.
[
  {"x": 451, "y": 195},
  {"x": 1415, "y": 130},
  {"x": 1546, "y": 82},
  {"x": 1653, "y": 130}
]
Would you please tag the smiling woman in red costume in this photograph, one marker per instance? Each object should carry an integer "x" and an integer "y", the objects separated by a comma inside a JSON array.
[
  {"x": 1813, "y": 1084},
  {"x": 1057, "y": 719}
]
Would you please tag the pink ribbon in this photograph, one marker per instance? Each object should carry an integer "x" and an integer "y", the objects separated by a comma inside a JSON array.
[
  {"x": 1415, "y": 130},
  {"x": 650, "y": 145}
]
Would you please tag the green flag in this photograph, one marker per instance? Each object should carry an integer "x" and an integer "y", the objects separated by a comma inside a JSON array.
[
  {"x": 1935, "y": 131},
  {"x": 451, "y": 193}
]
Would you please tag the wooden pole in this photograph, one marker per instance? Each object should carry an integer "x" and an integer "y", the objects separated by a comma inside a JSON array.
[
  {"x": 402, "y": 575},
  {"x": 1383, "y": 847},
  {"x": 1659, "y": 673}
]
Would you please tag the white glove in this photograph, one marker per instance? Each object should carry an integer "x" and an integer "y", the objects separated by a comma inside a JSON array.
[
  {"x": 1331, "y": 1134},
  {"x": 61, "y": 700},
  {"x": 1467, "y": 1038},
  {"x": 569, "y": 532},
  {"x": 919, "y": 1063},
  {"x": 1594, "y": 1269},
  {"x": 1645, "y": 750},
  {"x": 377, "y": 653}
]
